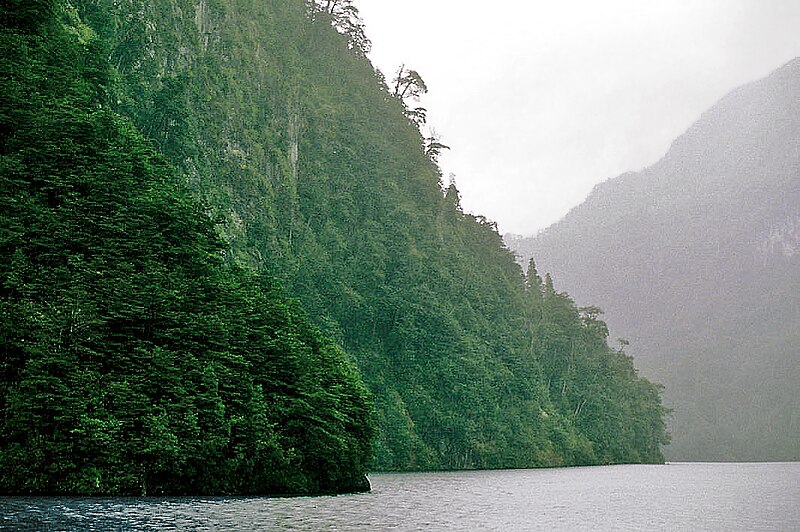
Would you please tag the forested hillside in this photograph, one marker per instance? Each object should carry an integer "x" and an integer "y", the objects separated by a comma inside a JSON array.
[
  {"x": 134, "y": 361},
  {"x": 314, "y": 169},
  {"x": 696, "y": 260}
]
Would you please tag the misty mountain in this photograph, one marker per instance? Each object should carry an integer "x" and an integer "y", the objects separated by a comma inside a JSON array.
[{"x": 696, "y": 261}]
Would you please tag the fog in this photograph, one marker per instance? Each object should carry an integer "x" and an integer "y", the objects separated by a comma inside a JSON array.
[{"x": 539, "y": 101}]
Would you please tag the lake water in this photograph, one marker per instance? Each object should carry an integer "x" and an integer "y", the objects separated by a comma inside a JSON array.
[{"x": 763, "y": 496}]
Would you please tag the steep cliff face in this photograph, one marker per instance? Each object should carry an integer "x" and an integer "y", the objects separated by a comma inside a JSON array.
[
  {"x": 319, "y": 174},
  {"x": 694, "y": 259}
]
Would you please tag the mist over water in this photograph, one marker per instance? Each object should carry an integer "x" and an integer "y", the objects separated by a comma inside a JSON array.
[{"x": 682, "y": 496}]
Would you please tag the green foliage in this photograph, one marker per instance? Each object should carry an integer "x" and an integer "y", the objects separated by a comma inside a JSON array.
[
  {"x": 26, "y": 15},
  {"x": 134, "y": 360},
  {"x": 323, "y": 178},
  {"x": 154, "y": 357},
  {"x": 343, "y": 16}
]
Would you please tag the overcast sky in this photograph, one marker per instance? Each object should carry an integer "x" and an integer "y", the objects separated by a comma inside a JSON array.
[{"x": 541, "y": 100}]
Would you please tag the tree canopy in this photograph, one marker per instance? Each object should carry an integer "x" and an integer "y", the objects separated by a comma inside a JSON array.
[
  {"x": 134, "y": 360},
  {"x": 211, "y": 217}
]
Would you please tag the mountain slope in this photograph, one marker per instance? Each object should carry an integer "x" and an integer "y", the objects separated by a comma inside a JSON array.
[
  {"x": 696, "y": 260},
  {"x": 319, "y": 174},
  {"x": 133, "y": 360}
]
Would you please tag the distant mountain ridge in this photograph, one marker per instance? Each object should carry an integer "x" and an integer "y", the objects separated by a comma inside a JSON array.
[{"x": 704, "y": 244}]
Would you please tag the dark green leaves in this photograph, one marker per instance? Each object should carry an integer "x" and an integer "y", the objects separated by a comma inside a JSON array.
[{"x": 134, "y": 360}]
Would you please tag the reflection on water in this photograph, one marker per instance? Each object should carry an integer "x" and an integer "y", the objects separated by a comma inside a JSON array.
[{"x": 634, "y": 497}]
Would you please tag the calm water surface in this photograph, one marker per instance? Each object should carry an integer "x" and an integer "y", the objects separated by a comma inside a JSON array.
[{"x": 633, "y": 497}]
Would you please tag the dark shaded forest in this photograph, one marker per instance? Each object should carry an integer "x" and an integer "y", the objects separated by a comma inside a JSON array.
[{"x": 228, "y": 265}]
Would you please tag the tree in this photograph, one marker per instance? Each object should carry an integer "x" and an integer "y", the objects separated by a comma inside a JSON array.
[
  {"x": 532, "y": 277},
  {"x": 408, "y": 84},
  {"x": 344, "y": 16},
  {"x": 434, "y": 146}
]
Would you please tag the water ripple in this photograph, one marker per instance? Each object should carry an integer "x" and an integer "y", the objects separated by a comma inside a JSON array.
[{"x": 671, "y": 497}]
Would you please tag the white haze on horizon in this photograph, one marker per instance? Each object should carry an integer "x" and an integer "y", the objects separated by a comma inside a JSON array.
[{"x": 542, "y": 100}]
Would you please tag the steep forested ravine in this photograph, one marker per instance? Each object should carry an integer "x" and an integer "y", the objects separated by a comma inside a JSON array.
[{"x": 175, "y": 172}]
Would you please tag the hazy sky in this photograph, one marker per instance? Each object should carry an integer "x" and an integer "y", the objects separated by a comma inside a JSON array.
[{"x": 540, "y": 100}]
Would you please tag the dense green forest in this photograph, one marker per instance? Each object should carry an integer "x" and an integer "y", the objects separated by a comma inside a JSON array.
[
  {"x": 172, "y": 174},
  {"x": 133, "y": 359}
]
